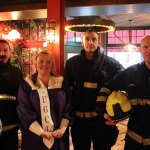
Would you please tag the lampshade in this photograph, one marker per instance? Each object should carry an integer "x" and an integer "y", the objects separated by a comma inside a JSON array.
[
  {"x": 82, "y": 24},
  {"x": 50, "y": 31},
  {"x": 130, "y": 48}
]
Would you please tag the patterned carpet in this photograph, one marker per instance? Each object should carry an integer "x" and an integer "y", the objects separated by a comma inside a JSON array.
[{"x": 122, "y": 126}]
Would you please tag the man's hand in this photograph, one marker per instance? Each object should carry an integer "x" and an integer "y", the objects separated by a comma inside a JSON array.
[{"x": 109, "y": 121}]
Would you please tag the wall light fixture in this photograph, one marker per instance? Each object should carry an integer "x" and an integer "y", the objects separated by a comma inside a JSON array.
[
  {"x": 50, "y": 31},
  {"x": 13, "y": 35}
]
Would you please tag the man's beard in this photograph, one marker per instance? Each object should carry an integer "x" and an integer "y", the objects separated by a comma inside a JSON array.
[{"x": 2, "y": 58}]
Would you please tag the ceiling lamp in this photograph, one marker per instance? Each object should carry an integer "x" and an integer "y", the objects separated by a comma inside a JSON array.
[
  {"x": 82, "y": 24},
  {"x": 130, "y": 47}
]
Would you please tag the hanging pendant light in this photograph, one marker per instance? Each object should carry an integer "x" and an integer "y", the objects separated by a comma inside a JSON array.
[
  {"x": 130, "y": 47},
  {"x": 82, "y": 24}
]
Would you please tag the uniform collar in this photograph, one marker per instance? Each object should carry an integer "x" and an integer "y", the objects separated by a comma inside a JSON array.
[
  {"x": 144, "y": 68},
  {"x": 3, "y": 66},
  {"x": 96, "y": 53}
]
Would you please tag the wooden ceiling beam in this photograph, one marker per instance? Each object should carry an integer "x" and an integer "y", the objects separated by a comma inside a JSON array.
[{"x": 17, "y": 5}]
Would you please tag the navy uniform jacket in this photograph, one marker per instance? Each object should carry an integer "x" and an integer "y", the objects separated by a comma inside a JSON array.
[
  {"x": 135, "y": 80},
  {"x": 83, "y": 79},
  {"x": 10, "y": 77}
]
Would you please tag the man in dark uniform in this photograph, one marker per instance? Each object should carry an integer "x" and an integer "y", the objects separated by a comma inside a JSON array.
[
  {"x": 83, "y": 77},
  {"x": 9, "y": 83},
  {"x": 135, "y": 80}
]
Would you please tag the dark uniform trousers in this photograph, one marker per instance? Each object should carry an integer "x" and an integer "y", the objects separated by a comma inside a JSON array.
[
  {"x": 6, "y": 142},
  {"x": 10, "y": 77},
  {"x": 8, "y": 115},
  {"x": 85, "y": 130}
]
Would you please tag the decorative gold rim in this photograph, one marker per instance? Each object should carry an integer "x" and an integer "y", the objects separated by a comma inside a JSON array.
[
  {"x": 82, "y": 24},
  {"x": 7, "y": 97},
  {"x": 8, "y": 127}
]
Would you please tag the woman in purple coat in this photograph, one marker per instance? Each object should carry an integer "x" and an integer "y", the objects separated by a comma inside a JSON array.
[{"x": 42, "y": 108}]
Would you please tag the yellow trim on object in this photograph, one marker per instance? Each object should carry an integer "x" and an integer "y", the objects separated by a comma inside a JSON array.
[
  {"x": 105, "y": 90},
  {"x": 86, "y": 114},
  {"x": 8, "y": 127},
  {"x": 7, "y": 97},
  {"x": 143, "y": 102},
  {"x": 138, "y": 138},
  {"x": 101, "y": 99},
  {"x": 90, "y": 85}
]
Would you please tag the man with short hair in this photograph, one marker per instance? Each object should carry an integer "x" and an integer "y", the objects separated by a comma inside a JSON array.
[
  {"x": 9, "y": 83},
  {"x": 83, "y": 77},
  {"x": 135, "y": 80}
]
